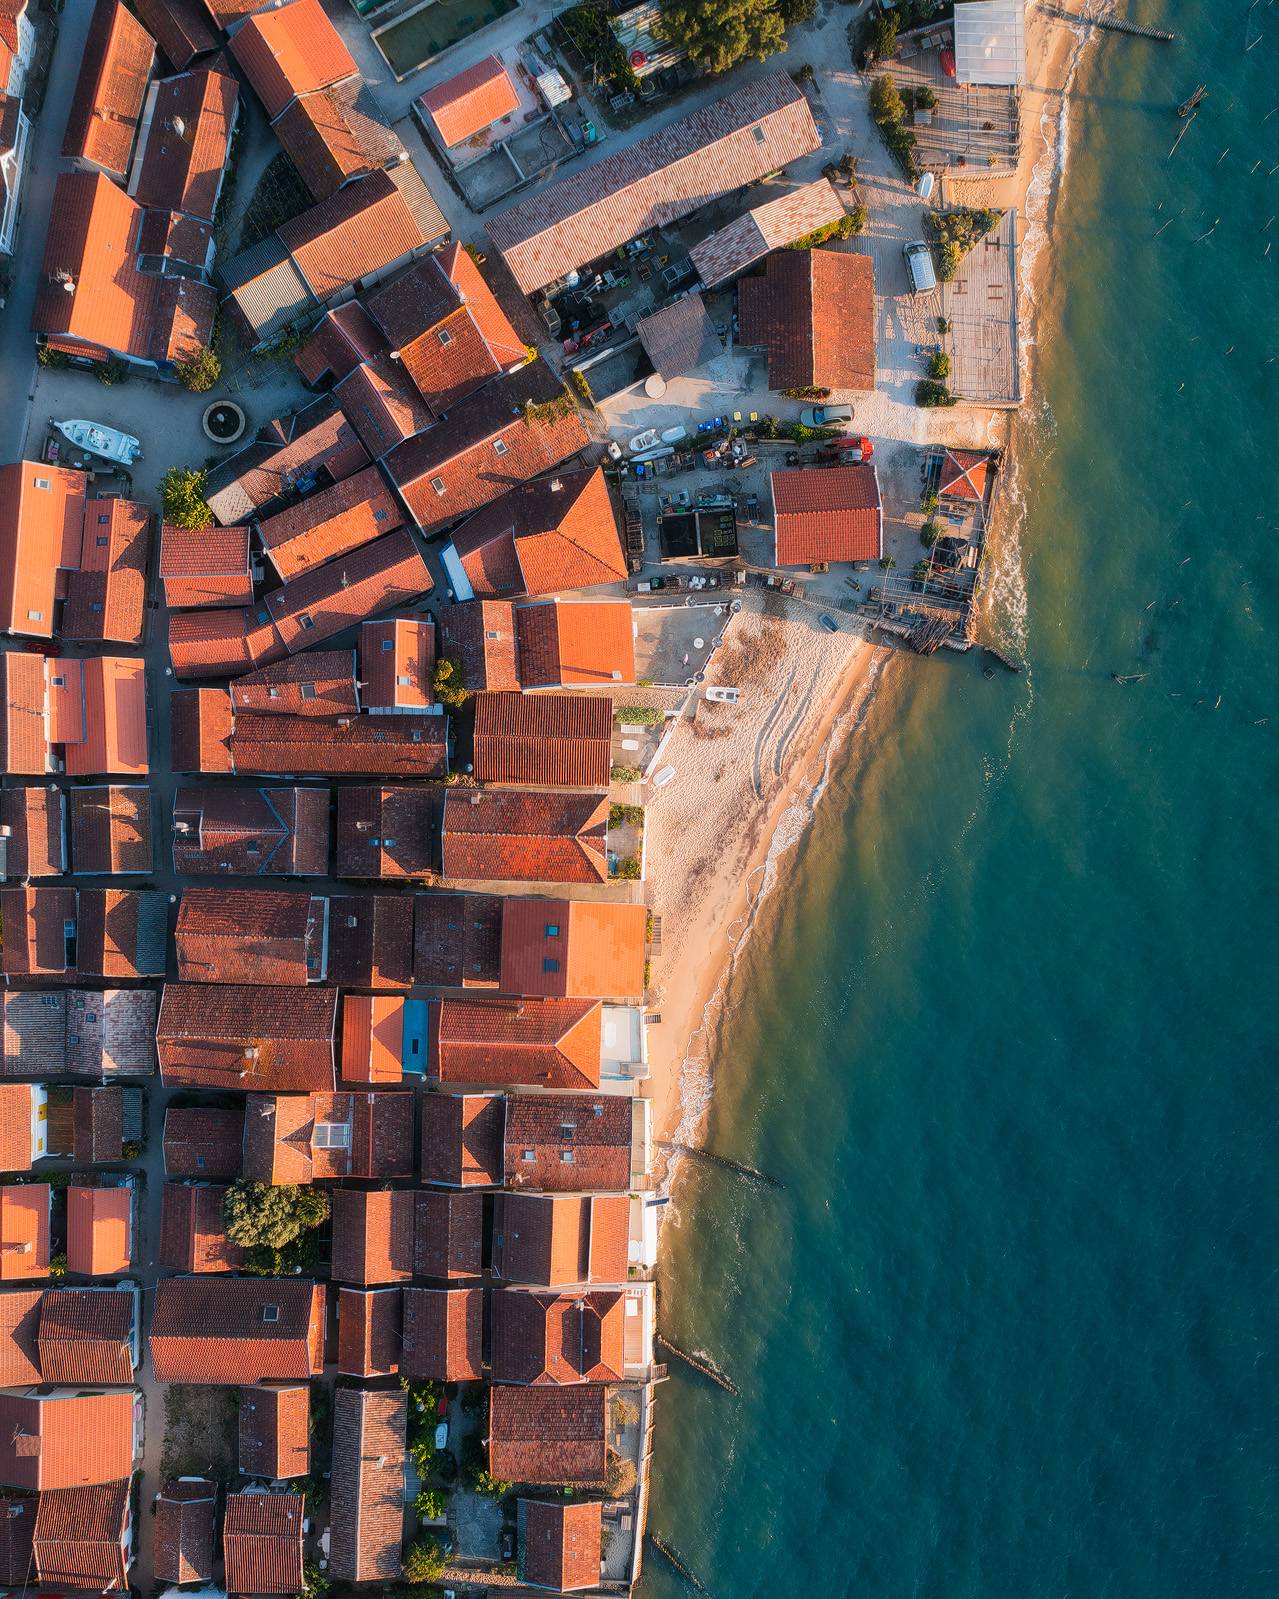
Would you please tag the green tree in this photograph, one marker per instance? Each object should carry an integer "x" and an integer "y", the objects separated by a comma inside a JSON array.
[
  {"x": 430, "y": 1504},
  {"x": 315, "y": 1583},
  {"x": 447, "y": 683},
  {"x": 939, "y": 365},
  {"x": 929, "y": 534},
  {"x": 424, "y": 1559},
  {"x": 182, "y": 495},
  {"x": 877, "y": 37},
  {"x": 201, "y": 372},
  {"x": 272, "y": 1216},
  {"x": 886, "y": 104},
  {"x": 719, "y": 36},
  {"x": 925, "y": 97}
]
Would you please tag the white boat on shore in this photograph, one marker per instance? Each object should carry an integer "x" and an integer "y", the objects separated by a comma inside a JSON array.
[{"x": 109, "y": 443}]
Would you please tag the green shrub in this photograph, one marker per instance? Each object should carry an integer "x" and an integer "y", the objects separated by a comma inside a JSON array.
[
  {"x": 808, "y": 391},
  {"x": 52, "y": 360},
  {"x": 939, "y": 365},
  {"x": 925, "y": 97},
  {"x": 430, "y": 1504},
  {"x": 448, "y": 684},
  {"x": 201, "y": 372},
  {"x": 632, "y": 815},
  {"x": 930, "y": 393},
  {"x": 577, "y": 382},
  {"x": 424, "y": 1559},
  {"x": 272, "y": 1215},
  {"x": 919, "y": 571},
  {"x": 876, "y": 38},
  {"x": 886, "y": 104},
  {"x": 625, "y": 774},
  {"x": 58, "y": 1264},
  {"x": 628, "y": 868},
  {"x": 131, "y": 1150},
  {"x": 929, "y": 534},
  {"x": 111, "y": 371},
  {"x": 639, "y": 715},
  {"x": 949, "y": 259},
  {"x": 315, "y": 1583},
  {"x": 182, "y": 496},
  {"x": 928, "y": 502}
]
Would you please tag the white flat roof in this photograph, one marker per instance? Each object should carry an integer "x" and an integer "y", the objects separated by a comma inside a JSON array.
[{"x": 990, "y": 41}]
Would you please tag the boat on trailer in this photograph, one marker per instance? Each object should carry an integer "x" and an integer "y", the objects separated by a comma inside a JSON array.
[{"x": 98, "y": 439}]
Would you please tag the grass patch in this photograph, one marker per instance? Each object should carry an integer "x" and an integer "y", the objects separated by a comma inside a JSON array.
[{"x": 201, "y": 1432}]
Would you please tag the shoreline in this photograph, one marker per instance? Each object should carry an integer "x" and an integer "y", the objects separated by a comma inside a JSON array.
[{"x": 694, "y": 994}]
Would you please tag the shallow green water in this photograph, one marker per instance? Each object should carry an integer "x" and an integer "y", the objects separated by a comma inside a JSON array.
[
  {"x": 423, "y": 34},
  {"x": 1008, "y": 1032}
]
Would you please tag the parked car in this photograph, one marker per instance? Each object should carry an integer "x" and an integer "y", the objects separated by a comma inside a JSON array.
[
  {"x": 825, "y": 416},
  {"x": 919, "y": 267}
]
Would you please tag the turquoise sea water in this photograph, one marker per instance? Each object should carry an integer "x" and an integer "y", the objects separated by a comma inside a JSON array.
[{"x": 1008, "y": 1033}]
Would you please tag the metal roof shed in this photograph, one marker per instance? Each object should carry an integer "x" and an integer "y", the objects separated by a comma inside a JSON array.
[{"x": 990, "y": 41}]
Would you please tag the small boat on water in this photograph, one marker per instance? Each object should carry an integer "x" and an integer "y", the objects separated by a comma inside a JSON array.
[{"x": 109, "y": 443}]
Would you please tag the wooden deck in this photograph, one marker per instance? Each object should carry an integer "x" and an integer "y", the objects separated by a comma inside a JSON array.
[{"x": 981, "y": 306}]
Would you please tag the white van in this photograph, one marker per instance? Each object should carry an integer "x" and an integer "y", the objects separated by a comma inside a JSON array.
[{"x": 919, "y": 264}]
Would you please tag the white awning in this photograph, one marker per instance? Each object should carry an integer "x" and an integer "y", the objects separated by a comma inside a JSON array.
[{"x": 990, "y": 41}]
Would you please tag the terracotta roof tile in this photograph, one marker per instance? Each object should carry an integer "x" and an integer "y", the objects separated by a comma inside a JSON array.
[
  {"x": 382, "y": 404},
  {"x": 312, "y": 683},
  {"x": 183, "y": 171},
  {"x": 560, "y": 1544},
  {"x": 336, "y": 134},
  {"x": 209, "y": 566},
  {"x": 560, "y": 741},
  {"x": 252, "y": 832},
  {"x": 271, "y": 1039},
  {"x": 274, "y": 1430},
  {"x": 679, "y": 338},
  {"x": 220, "y": 643},
  {"x": 827, "y": 514},
  {"x": 85, "y": 1335},
  {"x": 35, "y": 845},
  {"x": 287, "y": 453},
  {"x": 369, "y": 1331},
  {"x": 237, "y": 1329},
  {"x": 372, "y": 1235},
  {"x": 557, "y": 1240},
  {"x": 505, "y": 835},
  {"x": 97, "y": 1116},
  {"x": 386, "y": 832},
  {"x": 407, "y": 746},
  {"x": 184, "y": 1512},
  {"x": 457, "y": 940},
  {"x": 548, "y": 1435},
  {"x": 362, "y": 229},
  {"x": 366, "y": 1511},
  {"x": 107, "y": 106},
  {"x": 397, "y": 659},
  {"x": 547, "y": 1043},
  {"x": 963, "y": 474},
  {"x": 192, "y": 1233},
  {"x": 41, "y": 531},
  {"x": 662, "y": 178},
  {"x": 67, "y": 1440},
  {"x": 300, "y": 1138},
  {"x": 470, "y": 101},
  {"x": 106, "y": 596},
  {"x": 240, "y": 935},
  {"x": 479, "y": 635},
  {"x": 373, "y": 578},
  {"x": 117, "y": 932},
  {"x": 200, "y": 730},
  {"x": 79, "y": 1537},
  {"x": 568, "y": 1143},
  {"x": 333, "y": 522},
  {"x": 203, "y": 1140},
  {"x": 448, "y": 1235},
  {"x": 99, "y": 1231},
  {"x": 462, "y": 1139},
  {"x": 584, "y": 949},
  {"x": 17, "y": 1530},
  {"x": 540, "y": 539},
  {"x": 24, "y": 1231},
  {"x": 111, "y": 829},
  {"x": 290, "y": 51},
  {"x": 443, "y": 1334},
  {"x": 771, "y": 226},
  {"x": 371, "y": 941},
  {"x": 573, "y": 643},
  {"x": 18, "y": 1112},
  {"x": 180, "y": 27},
  {"x": 19, "y": 1319},
  {"x": 558, "y": 1338},
  {"x": 342, "y": 338},
  {"x": 372, "y": 1038},
  {"x": 814, "y": 312},
  {"x": 262, "y": 1543}
]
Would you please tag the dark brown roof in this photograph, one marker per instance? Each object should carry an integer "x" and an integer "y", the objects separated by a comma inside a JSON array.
[
  {"x": 552, "y": 1338},
  {"x": 330, "y": 523},
  {"x": 97, "y": 1120},
  {"x": 251, "y": 831},
  {"x": 237, "y": 1329},
  {"x": 192, "y": 1233},
  {"x": 480, "y": 636},
  {"x": 565, "y": 1143},
  {"x": 556, "y": 1240},
  {"x": 180, "y": 27},
  {"x": 564, "y": 740},
  {"x": 560, "y": 1543},
  {"x": 183, "y": 170},
  {"x": 406, "y": 745},
  {"x": 85, "y": 1336},
  {"x": 17, "y": 1529},
  {"x": 312, "y": 683},
  {"x": 302, "y": 1138},
  {"x": 372, "y": 1235},
  {"x": 336, "y": 134},
  {"x": 457, "y": 940},
  {"x": 350, "y": 589},
  {"x": 548, "y": 1435},
  {"x": 366, "y": 1511},
  {"x": 106, "y": 595},
  {"x": 369, "y": 1331},
  {"x": 111, "y": 829},
  {"x": 370, "y": 940},
  {"x": 386, "y": 832},
  {"x": 276, "y": 1040},
  {"x": 200, "y": 729},
  {"x": 109, "y": 93},
  {"x": 814, "y": 312},
  {"x": 229, "y": 935},
  {"x": 285, "y": 452},
  {"x": 443, "y": 1334},
  {"x": 203, "y": 1140},
  {"x": 262, "y": 1543},
  {"x": 184, "y": 1511},
  {"x": 462, "y": 1139},
  {"x": 448, "y": 1235},
  {"x": 36, "y": 843},
  {"x": 506, "y": 835},
  {"x": 274, "y": 1434}
]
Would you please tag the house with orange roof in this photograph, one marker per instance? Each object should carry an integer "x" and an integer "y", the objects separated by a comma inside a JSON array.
[
  {"x": 205, "y": 566},
  {"x": 182, "y": 28},
  {"x": 555, "y": 1436},
  {"x": 559, "y": 1544},
  {"x": 495, "y": 1043},
  {"x": 543, "y": 537},
  {"x": 397, "y": 658},
  {"x": 90, "y": 1337},
  {"x": 509, "y": 835},
  {"x": 813, "y": 311},
  {"x": 278, "y": 1040},
  {"x": 290, "y": 50},
  {"x": 478, "y": 636},
  {"x": 370, "y": 1331},
  {"x": 106, "y": 591},
  {"x": 468, "y": 103},
  {"x": 544, "y": 741},
  {"x": 964, "y": 476},
  {"x": 258, "y": 935},
  {"x": 335, "y": 135},
  {"x": 106, "y": 108},
  {"x": 62, "y": 1438},
  {"x": 84, "y": 715},
  {"x": 24, "y": 1125},
  {"x": 274, "y": 1430},
  {"x": 373, "y": 1235},
  {"x": 25, "y": 1211},
  {"x": 561, "y": 1240},
  {"x": 553, "y": 1339},
  {"x": 827, "y": 514},
  {"x": 307, "y": 449},
  {"x": 262, "y": 1543},
  {"x": 192, "y": 1232},
  {"x": 314, "y": 683},
  {"x": 443, "y": 1336},
  {"x": 84, "y": 1538},
  {"x": 100, "y": 1230},
  {"x": 187, "y": 125},
  {"x": 343, "y": 337},
  {"x": 33, "y": 832},
  {"x": 237, "y": 1330},
  {"x": 304, "y": 1138},
  {"x": 331, "y": 523},
  {"x": 383, "y": 1038},
  {"x": 61, "y": 934},
  {"x": 574, "y": 643},
  {"x": 576, "y": 949}
]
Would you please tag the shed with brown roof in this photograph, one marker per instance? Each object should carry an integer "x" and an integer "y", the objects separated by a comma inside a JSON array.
[
  {"x": 248, "y": 1037},
  {"x": 262, "y": 1543},
  {"x": 275, "y": 1430},
  {"x": 559, "y": 1240},
  {"x": 111, "y": 829},
  {"x": 814, "y": 313},
  {"x": 548, "y": 1435},
  {"x": 560, "y": 741},
  {"x": 82, "y": 1537},
  {"x": 679, "y": 338},
  {"x": 535, "y": 1043},
  {"x": 193, "y": 1234},
  {"x": 462, "y": 1139},
  {"x": 106, "y": 108},
  {"x": 237, "y": 1329},
  {"x": 369, "y": 1331},
  {"x": 184, "y": 1512},
  {"x": 366, "y": 1511},
  {"x": 507, "y": 835},
  {"x": 443, "y": 1334},
  {"x": 560, "y": 1544},
  {"x": 205, "y": 566},
  {"x": 203, "y": 1141},
  {"x": 372, "y": 1235},
  {"x": 827, "y": 514}
]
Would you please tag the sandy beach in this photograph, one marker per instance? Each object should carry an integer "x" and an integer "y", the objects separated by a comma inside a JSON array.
[{"x": 746, "y": 774}]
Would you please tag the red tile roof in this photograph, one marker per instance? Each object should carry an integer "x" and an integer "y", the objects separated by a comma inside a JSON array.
[
  {"x": 200, "y": 730},
  {"x": 119, "y": 933},
  {"x": 286, "y": 453},
  {"x": 372, "y": 1038},
  {"x": 771, "y": 226},
  {"x": 340, "y": 340},
  {"x": 184, "y": 1512},
  {"x": 478, "y": 636},
  {"x": 203, "y": 1140},
  {"x": 462, "y": 1139},
  {"x": 80, "y": 1537},
  {"x": 17, "y": 1529},
  {"x": 65, "y": 1440},
  {"x": 661, "y": 179},
  {"x": 192, "y": 1233},
  {"x": 251, "y": 831},
  {"x": 180, "y": 27},
  {"x": 382, "y": 404},
  {"x": 237, "y": 1329},
  {"x": 561, "y": 1544},
  {"x": 275, "y": 1430},
  {"x": 543, "y": 539},
  {"x": 19, "y": 1319},
  {"x": 408, "y": 746},
  {"x": 17, "y": 1115},
  {"x": 488, "y": 443},
  {"x": 584, "y": 949},
  {"x": 963, "y": 474},
  {"x": 366, "y": 1507},
  {"x": 240, "y": 935},
  {"x": 313, "y": 683},
  {"x": 220, "y": 643},
  {"x": 85, "y": 1336},
  {"x": 567, "y": 1143},
  {"x": 448, "y": 1235},
  {"x": 504, "y": 835},
  {"x": 111, "y": 829},
  {"x": 106, "y": 596},
  {"x": 271, "y": 1039},
  {"x": 572, "y": 643},
  {"x": 285, "y": 1133},
  {"x": 457, "y": 940},
  {"x": 563, "y": 740},
  {"x": 372, "y": 1235},
  {"x": 370, "y": 945},
  {"x": 99, "y": 1231},
  {"x": 182, "y": 171},
  {"x": 547, "y": 1043},
  {"x": 336, "y": 134},
  {"x": 36, "y": 843},
  {"x": 556, "y": 1240},
  {"x": 333, "y": 522},
  {"x": 397, "y": 658},
  {"x": 827, "y": 514},
  {"x": 373, "y": 578},
  {"x": 386, "y": 832},
  {"x": 362, "y": 229},
  {"x": 24, "y": 1231},
  {"x": 41, "y": 531},
  {"x": 443, "y": 1334},
  {"x": 814, "y": 312},
  {"x": 290, "y": 51},
  {"x": 470, "y": 101},
  {"x": 109, "y": 93},
  {"x": 558, "y": 1338},
  {"x": 369, "y": 1331},
  {"x": 548, "y": 1435},
  {"x": 262, "y": 1543}
]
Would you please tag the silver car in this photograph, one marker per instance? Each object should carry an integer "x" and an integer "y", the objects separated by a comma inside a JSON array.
[{"x": 825, "y": 416}]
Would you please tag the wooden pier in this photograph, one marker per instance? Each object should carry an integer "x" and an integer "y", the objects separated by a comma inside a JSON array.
[
  {"x": 738, "y": 1167},
  {"x": 1112, "y": 25},
  {"x": 670, "y": 1555},
  {"x": 702, "y": 1367}
]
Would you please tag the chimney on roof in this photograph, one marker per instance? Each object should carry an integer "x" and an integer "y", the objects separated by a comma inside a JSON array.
[{"x": 556, "y": 485}]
